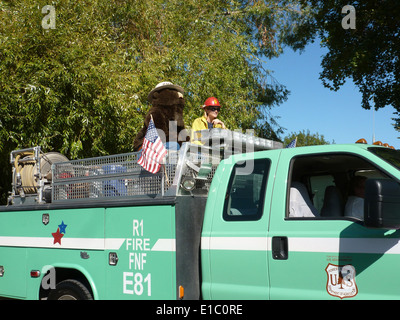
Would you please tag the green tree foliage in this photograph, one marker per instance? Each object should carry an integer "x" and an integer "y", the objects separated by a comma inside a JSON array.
[
  {"x": 81, "y": 88},
  {"x": 368, "y": 54},
  {"x": 305, "y": 139}
]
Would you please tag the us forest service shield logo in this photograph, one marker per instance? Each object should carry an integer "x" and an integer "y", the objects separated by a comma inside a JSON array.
[{"x": 341, "y": 281}]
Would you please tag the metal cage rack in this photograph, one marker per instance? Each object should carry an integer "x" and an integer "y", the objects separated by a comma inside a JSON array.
[
  {"x": 121, "y": 176},
  {"x": 187, "y": 171}
]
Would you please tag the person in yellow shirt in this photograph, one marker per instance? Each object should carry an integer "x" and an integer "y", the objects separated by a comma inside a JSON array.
[{"x": 209, "y": 120}]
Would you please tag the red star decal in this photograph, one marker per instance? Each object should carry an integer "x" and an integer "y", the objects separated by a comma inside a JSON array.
[{"x": 57, "y": 236}]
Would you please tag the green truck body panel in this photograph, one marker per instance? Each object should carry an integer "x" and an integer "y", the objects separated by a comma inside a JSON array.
[
  {"x": 140, "y": 236},
  {"x": 206, "y": 245}
]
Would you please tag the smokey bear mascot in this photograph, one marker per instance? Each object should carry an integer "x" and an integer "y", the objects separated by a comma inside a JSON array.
[{"x": 166, "y": 105}]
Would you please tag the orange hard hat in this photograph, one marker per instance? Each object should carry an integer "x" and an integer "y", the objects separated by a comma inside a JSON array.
[{"x": 211, "y": 102}]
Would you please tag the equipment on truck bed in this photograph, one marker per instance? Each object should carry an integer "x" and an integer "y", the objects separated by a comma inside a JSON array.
[
  {"x": 41, "y": 178},
  {"x": 31, "y": 175}
]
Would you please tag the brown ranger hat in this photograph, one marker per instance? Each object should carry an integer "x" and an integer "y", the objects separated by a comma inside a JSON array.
[{"x": 164, "y": 85}]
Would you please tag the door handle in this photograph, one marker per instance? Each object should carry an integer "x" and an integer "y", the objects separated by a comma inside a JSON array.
[{"x": 280, "y": 248}]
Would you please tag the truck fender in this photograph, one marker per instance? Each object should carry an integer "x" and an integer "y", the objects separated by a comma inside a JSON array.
[{"x": 70, "y": 271}]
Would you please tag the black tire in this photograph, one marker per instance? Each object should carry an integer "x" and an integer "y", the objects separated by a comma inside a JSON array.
[{"x": 70, "y": 290}]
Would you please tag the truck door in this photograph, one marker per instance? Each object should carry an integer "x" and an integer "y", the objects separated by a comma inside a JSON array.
[
  {"x": 328, "y": 254},
  {"x": 234, "y": 239}
]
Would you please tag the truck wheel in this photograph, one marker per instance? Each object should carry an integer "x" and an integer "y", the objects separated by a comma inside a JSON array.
[{"x": 70, "y": 290}]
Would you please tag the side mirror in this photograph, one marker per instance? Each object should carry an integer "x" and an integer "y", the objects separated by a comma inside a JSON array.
[{"x": 382, "y": 204}]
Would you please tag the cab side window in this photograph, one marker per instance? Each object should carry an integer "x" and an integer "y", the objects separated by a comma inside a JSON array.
[
  {"x": 246, "y": 190},
  {"x": 324, "y": 186}
]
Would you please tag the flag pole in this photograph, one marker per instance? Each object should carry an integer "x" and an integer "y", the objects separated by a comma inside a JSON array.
[
  {"x": 163, "y": 165},
  {"x": 166, "y": 174}
]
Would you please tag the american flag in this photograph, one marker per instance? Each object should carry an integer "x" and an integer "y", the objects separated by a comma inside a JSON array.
[
  {"x": 292, "y": 143},
  {"x": 153, "y": 150}
]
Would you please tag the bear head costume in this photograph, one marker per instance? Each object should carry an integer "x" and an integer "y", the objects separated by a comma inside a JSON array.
[{"x": 167, "y": 104}]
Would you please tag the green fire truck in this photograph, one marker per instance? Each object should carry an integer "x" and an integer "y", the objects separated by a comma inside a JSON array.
[{"x": 238, "y": 218}]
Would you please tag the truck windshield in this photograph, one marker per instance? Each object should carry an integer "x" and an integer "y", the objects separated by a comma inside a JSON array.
[{"x": 389, "y": 155}]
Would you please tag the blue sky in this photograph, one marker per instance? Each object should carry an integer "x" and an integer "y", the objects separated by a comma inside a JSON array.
[{"x": 336, "y": 115}]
